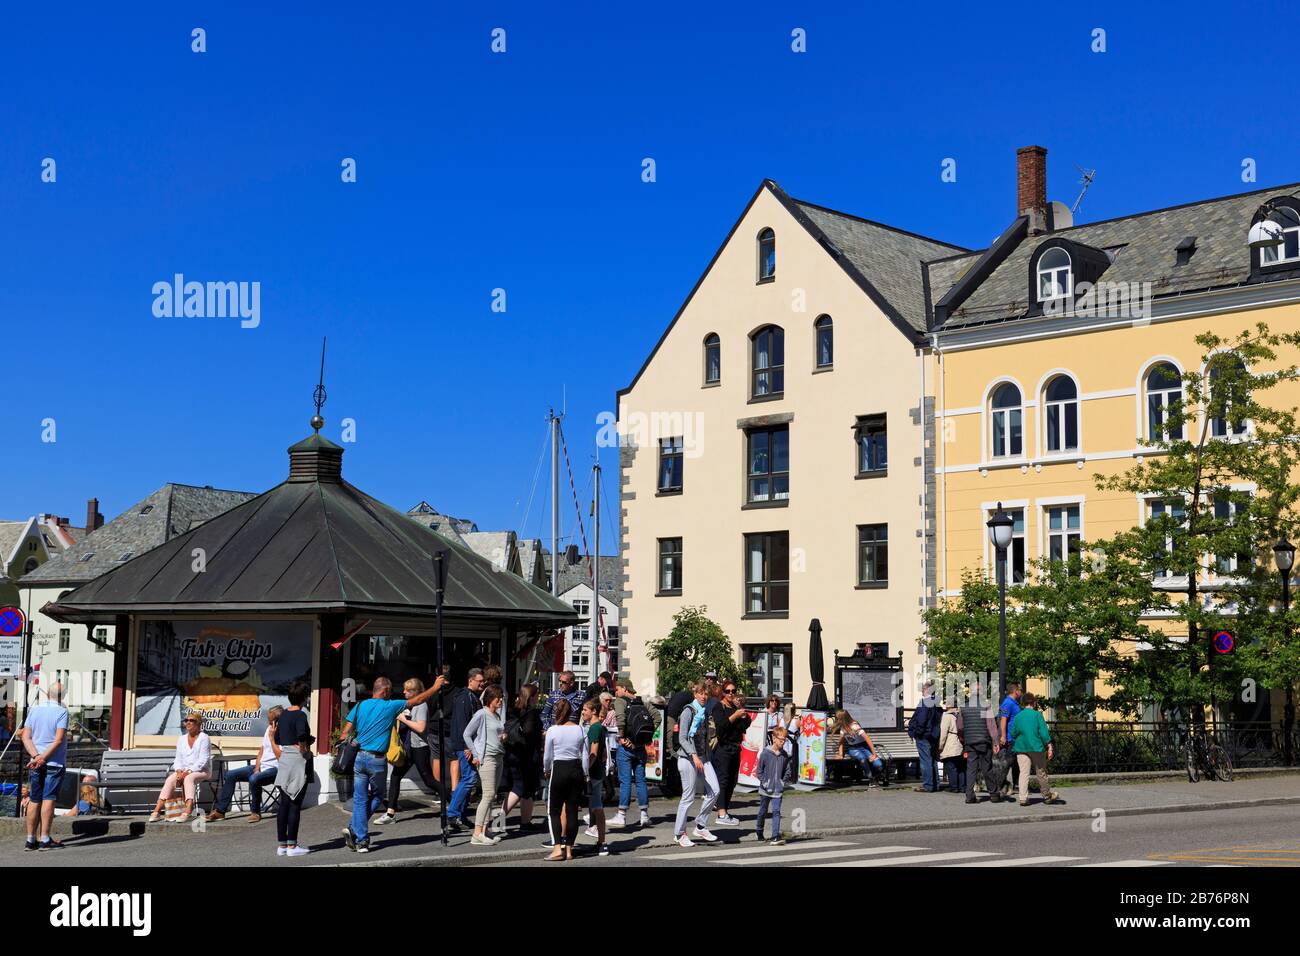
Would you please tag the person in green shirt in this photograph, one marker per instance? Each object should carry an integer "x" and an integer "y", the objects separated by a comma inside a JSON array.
[{"x": 1033, "y": 748}]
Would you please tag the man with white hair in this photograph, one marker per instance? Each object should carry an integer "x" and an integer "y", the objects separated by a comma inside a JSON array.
[{"x": 45, "y": 738}]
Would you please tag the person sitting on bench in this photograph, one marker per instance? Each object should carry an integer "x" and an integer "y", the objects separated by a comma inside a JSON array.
[
  {"x": 189, "y": 769},
  {"x": 857, "y": 743},
  {"x": 256, "y": 774}
]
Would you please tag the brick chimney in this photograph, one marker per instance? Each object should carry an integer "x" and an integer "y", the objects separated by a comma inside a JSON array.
[
  {"x": 93, "y": 518},
  {"x": 1031, "y": 186}
]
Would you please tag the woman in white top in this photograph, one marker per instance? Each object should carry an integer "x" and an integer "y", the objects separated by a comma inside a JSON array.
[
  {"x": 565, "y": 759},
  {"x": 189, "y": 769}
]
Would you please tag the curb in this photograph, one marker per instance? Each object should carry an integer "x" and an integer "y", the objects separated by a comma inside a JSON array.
[{"x": 488, "y": 857}]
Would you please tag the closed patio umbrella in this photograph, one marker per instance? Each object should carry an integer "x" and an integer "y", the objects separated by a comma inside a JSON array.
[{"x": 816, "y": 668}]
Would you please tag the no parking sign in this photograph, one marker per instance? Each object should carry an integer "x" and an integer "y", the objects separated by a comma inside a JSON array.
[
  {"x": 12, "y": 622},
  {"x": 1223, "y": 642}
]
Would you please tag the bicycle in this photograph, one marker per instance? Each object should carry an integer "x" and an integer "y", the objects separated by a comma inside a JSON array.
[{"x": 1205, "y": 755}]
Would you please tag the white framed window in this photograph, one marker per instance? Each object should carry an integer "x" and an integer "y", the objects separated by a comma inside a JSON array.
[
  {"x": 1064, "y": 531},
  {"x": 1164, "y": 394},
  {"x": 1017, "y": 551},
  {"x": 101, "y": 635},
  {"x": 1055, "y": 280},
  {"x": 1176, "y": 513},
  {"x": 1289, "y": 250},
  {"x": 766, "y": 255},
  {"x": 1226, "y": 509},
  {"x": 1006, "y": 418},
  {"x": 1224, "y": 423},
  {"x": 1061, "y": 414}
]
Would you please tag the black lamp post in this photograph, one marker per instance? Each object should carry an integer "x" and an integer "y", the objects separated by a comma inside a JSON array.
[
  {"x": 1284, "y": 555},
  {"x": 1000, "y": 528}
]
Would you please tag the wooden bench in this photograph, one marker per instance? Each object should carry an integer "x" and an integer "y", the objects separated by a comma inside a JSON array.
[{"x": 134, "y": 770}]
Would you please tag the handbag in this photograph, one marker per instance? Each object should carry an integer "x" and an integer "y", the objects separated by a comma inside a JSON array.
[
  {"x": 346, "y": 757},
  {"x": 174, "y": 809},
  {"x": 397, "y": 753}
]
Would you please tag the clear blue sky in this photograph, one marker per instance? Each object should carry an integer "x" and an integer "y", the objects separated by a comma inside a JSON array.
[{"x": 519, "y": 171}]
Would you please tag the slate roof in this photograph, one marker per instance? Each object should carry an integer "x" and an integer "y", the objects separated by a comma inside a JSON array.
[
  {"x": 170, "y": 511},
  {"x": 890, "y": 259},
  {"x": 10, "y": 532},
  {"x": 530, "y": 552},
  {"x": 497, "y": 547},
  {"x": 611, "y": 572},
  {"x": 311, "y": 544},
  {"x": 1141, "y": 248},
  {"x": 431, "y": 517}
]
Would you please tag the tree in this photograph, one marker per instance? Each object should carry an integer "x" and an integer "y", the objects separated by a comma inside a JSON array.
[
  {"x": 695, "y": 646},
  {"x": 1220, "y": 492}
]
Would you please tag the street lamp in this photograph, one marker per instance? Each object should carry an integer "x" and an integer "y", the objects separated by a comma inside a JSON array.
[
  {"x": 1000, "y": 528},
  {"x": 1284, "y": 556}
]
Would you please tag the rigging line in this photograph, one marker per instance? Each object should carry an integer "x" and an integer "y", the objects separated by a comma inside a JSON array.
[
  {"x": 537, "y": 472},
  {"x": 599, "y": 640}
]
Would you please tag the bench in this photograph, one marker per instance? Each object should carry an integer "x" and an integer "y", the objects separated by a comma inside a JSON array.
[{"x": 133, "y": 770}]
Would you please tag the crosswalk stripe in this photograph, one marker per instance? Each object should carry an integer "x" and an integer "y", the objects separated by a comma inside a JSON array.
[
  {"x": 1132, "y": 863},
  {"x": 1023, "y": 861},
  {"x": 909, "y": 860},
  {"x": 827, "y": 854},
  {"x": 681, "y": 854}
]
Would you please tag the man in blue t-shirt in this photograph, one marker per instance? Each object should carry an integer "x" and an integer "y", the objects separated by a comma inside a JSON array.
[
  {"x": 45, "y": 738},
  {"x": 1005, "y": 756},
  {"x": 374, "y": 720}
]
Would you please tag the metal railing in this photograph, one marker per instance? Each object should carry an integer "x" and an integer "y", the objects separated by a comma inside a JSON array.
[{"x": 1136, "y": 746}]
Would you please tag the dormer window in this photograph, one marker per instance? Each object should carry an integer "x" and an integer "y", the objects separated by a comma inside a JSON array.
[
  {"x": 766, "y": 255},
  {"x": 1055, "y": 279},
  {"x": 1289, "y": 250}
]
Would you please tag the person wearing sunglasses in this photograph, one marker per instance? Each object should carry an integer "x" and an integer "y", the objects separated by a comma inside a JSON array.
[
  {"x": 732, "y": 721},
  {"x": 568, "y": 691},
  {"x": 189, "y": 769}
]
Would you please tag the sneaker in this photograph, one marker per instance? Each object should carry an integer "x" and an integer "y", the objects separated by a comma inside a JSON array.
[
  {"x": 684, "y": 840},
  {"x": 727, "y": 820},
  {"x": 619, "y": 820},
  {"x": 602, "y": 850},
  {"x": 29, "y": 846},
  {"x": 549, "y": 844},
  {"x": 592, "y": 832},
  {"x": 304, "y": 850},
  {"x": 972, "y": 800},
  {"x": 350, "y": 838},
  {"x": 363, "y": 846},
  {"x": 457, "y": 825},
  {"x": 776, "y": 841},
  {"x": 50, "y": 845},
  {"x": 701, "y": 833},
  {"x": 645, "y": 818},
  {"x": 1023, "y": 803},
  {"x": 383, "y": 818},
  {"x": 480, "y": 839},
  {"x": 281, "y": 850}
]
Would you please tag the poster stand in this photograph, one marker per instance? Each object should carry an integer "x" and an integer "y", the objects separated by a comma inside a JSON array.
[{"x": 867, "y": 684}]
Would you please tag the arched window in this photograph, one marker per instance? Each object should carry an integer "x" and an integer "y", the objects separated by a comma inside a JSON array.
[
  {"x": 825, "y": 335},
  {"x": 712, "y": 359},
  {"x": 1289, "y": 250},
  {"x": 1061, "y": 414},
  {"x": 766, "y": 255},
  {"x": 31, "y": 565},
  {"x": 1007, "y": 414},
  {"x": 1164, "y": 389},
  {"x": 1055, "y": 280},
  {"x": 768, "y": 362},
  {"x": 1228, "y": 395}
]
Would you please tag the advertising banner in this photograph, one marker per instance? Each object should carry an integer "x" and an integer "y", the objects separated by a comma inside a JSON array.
[
  {"x": 812, "y": 747},
  {"x": 654, "y": 751},
  {"x": 231, "y": 671}
]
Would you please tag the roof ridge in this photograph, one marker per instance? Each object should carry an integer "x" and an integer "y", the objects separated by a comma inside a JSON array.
[
  {"x": 882, "y": 225},
  {"x": 1181, "y": 205}
]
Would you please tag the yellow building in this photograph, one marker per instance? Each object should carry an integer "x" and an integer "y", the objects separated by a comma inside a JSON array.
[{"x": 1040, "y": 386}]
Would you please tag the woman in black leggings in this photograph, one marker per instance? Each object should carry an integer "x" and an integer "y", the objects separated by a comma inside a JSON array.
[
  {"x": 293, "y": 734},
  {"x": 412, "y": 725},
  {"x": 565, "y": 761}
]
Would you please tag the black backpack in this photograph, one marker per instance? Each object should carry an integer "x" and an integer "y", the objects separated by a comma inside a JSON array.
[{"x": 638, "y": 726}]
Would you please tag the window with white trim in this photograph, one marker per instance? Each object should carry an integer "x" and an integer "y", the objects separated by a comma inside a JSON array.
[
  {"x": 1175, "y": 512},
  {"x": 1017, "y": 556},
  {"x": 1055, "y": 280},
  {"x": 1007, "y": 416},
  {"x": 1164, "y": 391},
  {"x": 1225, "y": 421},
  {"x": 1064, "y": 532},
  {"x": 1061, "y": 414},
  {"x": 1289, "y": 250},
  {"x": 1226, "y": 510}
]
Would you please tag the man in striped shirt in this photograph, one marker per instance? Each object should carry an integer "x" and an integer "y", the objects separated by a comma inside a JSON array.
[{"x": 569, "y": 691}]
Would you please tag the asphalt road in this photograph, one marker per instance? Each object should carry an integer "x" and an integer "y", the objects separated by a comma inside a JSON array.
[{"x": 1257, "y": 836}]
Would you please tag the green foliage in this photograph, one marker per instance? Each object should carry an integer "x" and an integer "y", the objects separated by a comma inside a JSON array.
[{"x": 694, "y": 646}]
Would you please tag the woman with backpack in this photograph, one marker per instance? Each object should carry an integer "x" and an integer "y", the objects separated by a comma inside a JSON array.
[
  {"x": 485, "y": 739},
  {"x": 694, "y": 753},
  {"x": 523, "y": 755}
]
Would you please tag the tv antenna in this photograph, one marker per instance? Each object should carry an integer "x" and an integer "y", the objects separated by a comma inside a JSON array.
[{"x": 1086, "y": 176}]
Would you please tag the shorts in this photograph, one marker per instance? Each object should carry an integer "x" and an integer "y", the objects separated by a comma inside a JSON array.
[
  {"x": 45, "y": 782},
  {"x": 523, "y": 777},
  {"x": 435, "y": 748},
  {"x": 596, "y": 793}
]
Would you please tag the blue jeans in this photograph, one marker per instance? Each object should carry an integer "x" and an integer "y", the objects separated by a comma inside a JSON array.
[
  {"x": 369, "y": 775},
  {"x": 929, "y": 771},
  {"x": 870, "y": 766},
  {"x": 954, "y": 771},
  {"x": 255, "y": 781},
  {"x": 631, "y": 762},
  {"x": 468, "y": 779},
  {"x": 764, "y": 804}
]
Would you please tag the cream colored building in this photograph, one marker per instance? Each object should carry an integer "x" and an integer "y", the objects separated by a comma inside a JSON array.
[{"x": 777, "y": 447}]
